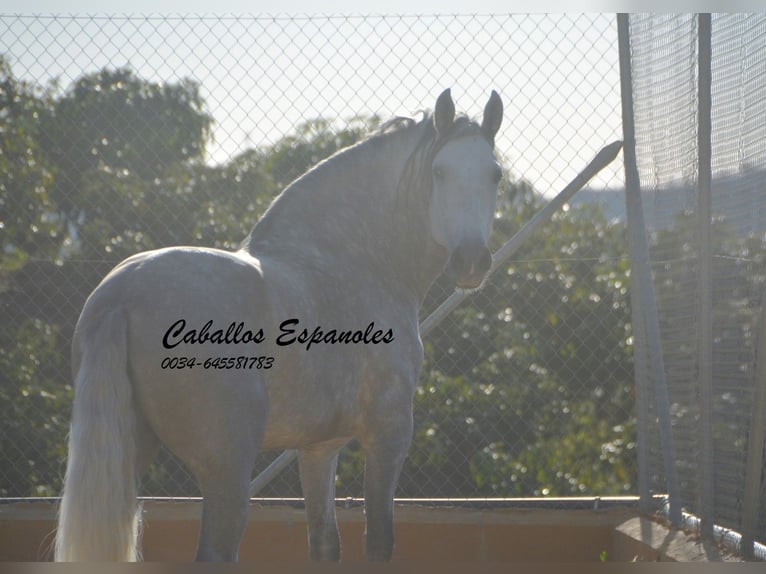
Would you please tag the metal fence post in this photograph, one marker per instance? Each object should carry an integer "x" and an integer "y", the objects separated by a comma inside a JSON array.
[
  {"x": 751, "y": 503},
  {"x": 641, "y": 281},
  {"x": 705, "y": 283}
]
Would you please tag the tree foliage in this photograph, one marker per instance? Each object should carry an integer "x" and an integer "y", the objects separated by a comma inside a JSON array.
[
  {"x": 526, "y": 389},
  {"x": 28, "y": 226}
]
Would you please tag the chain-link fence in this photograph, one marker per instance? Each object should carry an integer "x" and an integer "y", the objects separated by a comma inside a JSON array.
[
  {"x": 698, "y": 88},
  {"x": 121, "y": 134}
]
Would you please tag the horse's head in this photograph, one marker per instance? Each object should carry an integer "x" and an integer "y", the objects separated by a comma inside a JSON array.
[{"x": 465, "y": 175}]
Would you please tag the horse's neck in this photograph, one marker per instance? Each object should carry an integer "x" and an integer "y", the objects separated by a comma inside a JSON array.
[{"x": 347, "y": 212}]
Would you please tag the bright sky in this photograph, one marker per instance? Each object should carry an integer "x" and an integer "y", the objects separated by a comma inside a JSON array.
[
  {"x": 261, "y": 77},
  {"x": 558, "y": 75},
  {"x": 373, "y": 6}
]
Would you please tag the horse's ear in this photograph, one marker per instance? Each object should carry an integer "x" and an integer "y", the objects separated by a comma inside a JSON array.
[
  {"x": 444, "y": 112},
  {"x": 493, "y": 116}
]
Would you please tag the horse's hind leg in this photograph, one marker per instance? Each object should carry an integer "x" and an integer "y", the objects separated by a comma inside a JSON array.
[
  {"x": 317, "y": 465},
  {"x": 224, "y": 512},
  {"x": 220, "y": 450},
  {"x": 224, "y": 479}
]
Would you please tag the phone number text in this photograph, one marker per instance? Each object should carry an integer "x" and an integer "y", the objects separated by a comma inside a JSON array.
[{"x": 217, "y": 363}]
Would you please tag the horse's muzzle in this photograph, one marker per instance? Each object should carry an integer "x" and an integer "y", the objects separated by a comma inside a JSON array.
[{"x": 469, "y": 264}]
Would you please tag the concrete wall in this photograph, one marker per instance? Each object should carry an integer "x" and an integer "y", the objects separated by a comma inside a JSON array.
[{"x": 423, "y": 534}]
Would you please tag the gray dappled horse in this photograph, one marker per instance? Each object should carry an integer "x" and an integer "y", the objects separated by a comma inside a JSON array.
[{"x": 306, "y": 337}]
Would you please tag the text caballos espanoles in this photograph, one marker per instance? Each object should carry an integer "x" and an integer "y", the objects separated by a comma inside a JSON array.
[{"x": 290, "y": 333}]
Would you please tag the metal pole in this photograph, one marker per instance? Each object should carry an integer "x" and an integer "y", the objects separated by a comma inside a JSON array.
[
  {"x": 640, "y": 360},
  {"x": 270, "y": 472},
  {"x": 706, "y": 495},
  {"x": 751, "y": 503},
  {"x": 641, "y": 281},
  {"x": 602, "y": 159}
]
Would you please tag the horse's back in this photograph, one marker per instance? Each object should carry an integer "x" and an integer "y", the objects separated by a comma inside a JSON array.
[
  {"x": 155, "y": 289},
  {"x": 163, "y": 295},
  {"x": 159, "y": 275}
]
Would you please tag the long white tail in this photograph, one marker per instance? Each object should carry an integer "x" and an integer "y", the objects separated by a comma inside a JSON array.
[{"x": 97, "y": 515}]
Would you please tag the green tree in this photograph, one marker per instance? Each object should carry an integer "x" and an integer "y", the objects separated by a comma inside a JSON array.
[
  {"x": 121, "y": 148},
  {"x": 525, "y": 389},
  {"x": 86, "y": 178},
  {"x": 32, "y": 424},
  {"x": 28, "y": 223}
]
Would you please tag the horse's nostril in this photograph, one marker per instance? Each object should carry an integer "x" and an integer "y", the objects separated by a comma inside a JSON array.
[{"x": 469, "y": 263}]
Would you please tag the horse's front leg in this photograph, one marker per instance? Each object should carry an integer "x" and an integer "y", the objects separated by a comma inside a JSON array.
[
  {"x": 384, "y": 458},
  {"x": 317, "y": 465}
]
